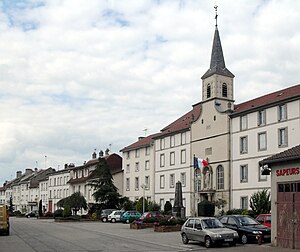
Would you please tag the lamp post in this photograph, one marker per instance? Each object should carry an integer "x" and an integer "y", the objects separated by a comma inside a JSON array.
[{"x": 143, "y": 187}]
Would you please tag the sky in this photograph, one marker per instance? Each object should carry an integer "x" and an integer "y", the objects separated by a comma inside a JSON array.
[{"x": 78, "y": 76}]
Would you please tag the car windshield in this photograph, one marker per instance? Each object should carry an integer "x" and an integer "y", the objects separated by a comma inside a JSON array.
[
  {"x": 211, "y": 223},
  {"x": 246, "y": 221}
]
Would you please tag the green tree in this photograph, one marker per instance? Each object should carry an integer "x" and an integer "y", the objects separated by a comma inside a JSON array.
[
  {"x": 75, "y": 202},
  {"x": 126, "y": 204},
  {"x": 40, "y": 208},
  {"x": 153, "y": 206},
  {"x": 106, "y": 193},
  {"x": 260, "y": 202},
  {"x": 139, "y": 205},
  {"x": 168, "y": 207}
]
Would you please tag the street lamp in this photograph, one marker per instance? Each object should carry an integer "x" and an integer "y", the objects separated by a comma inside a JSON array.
[{"x": 143, "y": 187}]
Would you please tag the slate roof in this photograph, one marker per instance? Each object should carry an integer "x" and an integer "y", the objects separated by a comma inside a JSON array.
[
  {"x": 181, "y": 124},
  {"x": 267, "y": 100},
  {"x": 217, "y": 62},
  {"x": 288, "y": 155}
]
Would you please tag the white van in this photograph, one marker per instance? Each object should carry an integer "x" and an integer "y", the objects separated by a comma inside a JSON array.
[{"x": 115, "y": 216}]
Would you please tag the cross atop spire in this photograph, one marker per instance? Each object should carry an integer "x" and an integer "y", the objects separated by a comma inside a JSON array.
[
  {"x": 216, "y": 16},
  {"x": 217, "y": 62}
]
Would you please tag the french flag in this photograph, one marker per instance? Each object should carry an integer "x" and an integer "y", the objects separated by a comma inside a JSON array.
[{"x": 200, "y": 163}]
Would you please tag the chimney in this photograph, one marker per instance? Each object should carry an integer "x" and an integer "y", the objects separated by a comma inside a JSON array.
[
  {"x": 106, "y": 152},
  {"x": 35, "y": 170},
  {"x": 94, "y": 155},
  {"x": 19, "y": 174},
  {"x": 101, "y": 153},
  {"x": 28, "y": 171},
  {"x": 66, "y": 166},
  {"x": 140, "y": 138}
]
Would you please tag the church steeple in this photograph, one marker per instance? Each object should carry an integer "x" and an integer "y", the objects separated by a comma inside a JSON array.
[{"x": 217, "y": 62}]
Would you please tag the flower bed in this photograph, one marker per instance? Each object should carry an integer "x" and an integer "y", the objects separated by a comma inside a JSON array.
[
  {"x": 141, "y": 225},
  {"x": 167, "y": 228}
]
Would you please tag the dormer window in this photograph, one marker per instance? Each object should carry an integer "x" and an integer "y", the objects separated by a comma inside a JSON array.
[
  {"x": 224, "y": 90},
  {"x": 208, "y": 91}
]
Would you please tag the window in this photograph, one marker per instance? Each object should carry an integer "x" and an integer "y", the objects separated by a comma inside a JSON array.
[
  {"x": 183, "y": 138},
  {"x": 136, "y": 183},
  {"x": 261, "y": 118},
  {"x": 282, "y": 137},
  {"x": 208, "y": 91},
  {"x": 224, "y": 90},
  {"x": 147, "y": 182},
  {"x": 262, "y": 141},
  {"x": 243, "y": 123},
  {"x": 244, "y": 173},
  {"x": 244, "y": 202},
  {"x": 172, "y": 158},
  {"x": 172, "y": 141},
  {"x": 183, "y": 156},
  {"x": 147, "y": 165},
  {"x": 127, "y": 154},
  {"x": 147, "y": 151},
  {"x": 183, "y": 178},
  {"x": 162, "y": 143},
  {"x": 137, "y": 166},
  {"x": 137, "y": 153},
  {"x": 127, "y": 168},
  {"x": 220, "y": 177},
  {"x": 282, "y": 112},
  {"x": 243, "y": 145},
  {"x": 172, "y": 180},
  {"x": 162, "y": 160},
  {"x": 127, "y": 184},
  {"x": 260, "y": 176},
  {"x": 162, "y": 181}
]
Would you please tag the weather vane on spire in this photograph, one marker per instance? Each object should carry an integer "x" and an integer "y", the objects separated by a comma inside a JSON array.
[{"x": 216, "y": 17}]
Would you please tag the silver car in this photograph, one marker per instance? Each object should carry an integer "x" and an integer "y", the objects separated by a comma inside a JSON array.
[{"x": 208, "y": 230}]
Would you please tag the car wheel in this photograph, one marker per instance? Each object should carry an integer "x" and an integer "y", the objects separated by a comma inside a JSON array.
[
  {"x": 104, "y": 219},
  {"x": 113, "y": 220},
  {"x": 184, "y": 238},
  {"x": 207, "y": 242},
  {"x": 244, "y": 239}
]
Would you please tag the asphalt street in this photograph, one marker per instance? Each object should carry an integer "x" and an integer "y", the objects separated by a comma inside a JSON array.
[{"x": 28, "y": 235}]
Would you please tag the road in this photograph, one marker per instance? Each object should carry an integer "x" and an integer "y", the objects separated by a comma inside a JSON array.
[{"x": 28, "y": 235}]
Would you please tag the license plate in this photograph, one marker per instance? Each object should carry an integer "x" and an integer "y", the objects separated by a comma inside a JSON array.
[{"x": 227, "y": 240}]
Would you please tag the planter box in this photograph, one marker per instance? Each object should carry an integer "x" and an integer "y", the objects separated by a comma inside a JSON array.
[
  {"x": 170, "y": 228},
  {"x": 141, "y": 225}
]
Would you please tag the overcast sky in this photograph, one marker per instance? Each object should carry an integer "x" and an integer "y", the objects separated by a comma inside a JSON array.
[{"x": 79, "y": 75}]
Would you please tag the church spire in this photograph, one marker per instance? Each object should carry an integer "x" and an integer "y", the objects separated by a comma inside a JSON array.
[{"x": 217, "y": 62}]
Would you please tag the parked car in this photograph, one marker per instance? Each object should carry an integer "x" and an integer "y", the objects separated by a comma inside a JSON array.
[
  {"x": 33, "y": 213},
  {"x": 152, "y": 214},
  {"x": 115, "y": 216},
  {"x": 208, "y": 230},
  {"x": 264, "y": 219},
  {"x": 247, "y": 227},
  {"x": 104, "y": 214},
  {"x": 130, "y": 216}
]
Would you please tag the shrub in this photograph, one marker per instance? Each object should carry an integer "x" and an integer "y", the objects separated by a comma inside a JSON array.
[
  {"x": 168, "y": 207},
  {"x": 234, "y": 211},
  {"x": 94, "y": 216},
  {"x": 58, "y": 213},
  {"x": 67, "y": 212},
  {"x": 17, "y": 213},
  {"x": 150, "y": 220},
  {"x": 48, "y": 214},
  {"x": 206, "y": 208}
]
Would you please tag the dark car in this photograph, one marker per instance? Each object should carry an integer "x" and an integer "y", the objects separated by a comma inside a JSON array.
[
  {"x": 130, "y": 216},
  {"x": 208, "y": 230},
  {"x": 247, "y": 227},
  {"x": 33, "y": 213},
  {"x": 104, "y": 214}
]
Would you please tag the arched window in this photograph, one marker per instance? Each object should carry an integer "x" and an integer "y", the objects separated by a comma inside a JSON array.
[
  {"x": 208, "y": 91},
  {"x": 224, "y": 90},
  {"x": 220, "y": 177}
]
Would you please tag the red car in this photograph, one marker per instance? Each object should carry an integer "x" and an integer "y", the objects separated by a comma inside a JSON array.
[
  {"x": 264, "y": 219},
  {"x": 148, "y": 215}
]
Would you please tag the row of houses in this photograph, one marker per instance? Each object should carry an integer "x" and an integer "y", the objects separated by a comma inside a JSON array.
[
  {"x": 232, "y": 138},
  {"x": 50, "y": 186}
]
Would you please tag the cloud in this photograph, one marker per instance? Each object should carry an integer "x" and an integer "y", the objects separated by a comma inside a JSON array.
[{"x": 78, "y": 75}]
